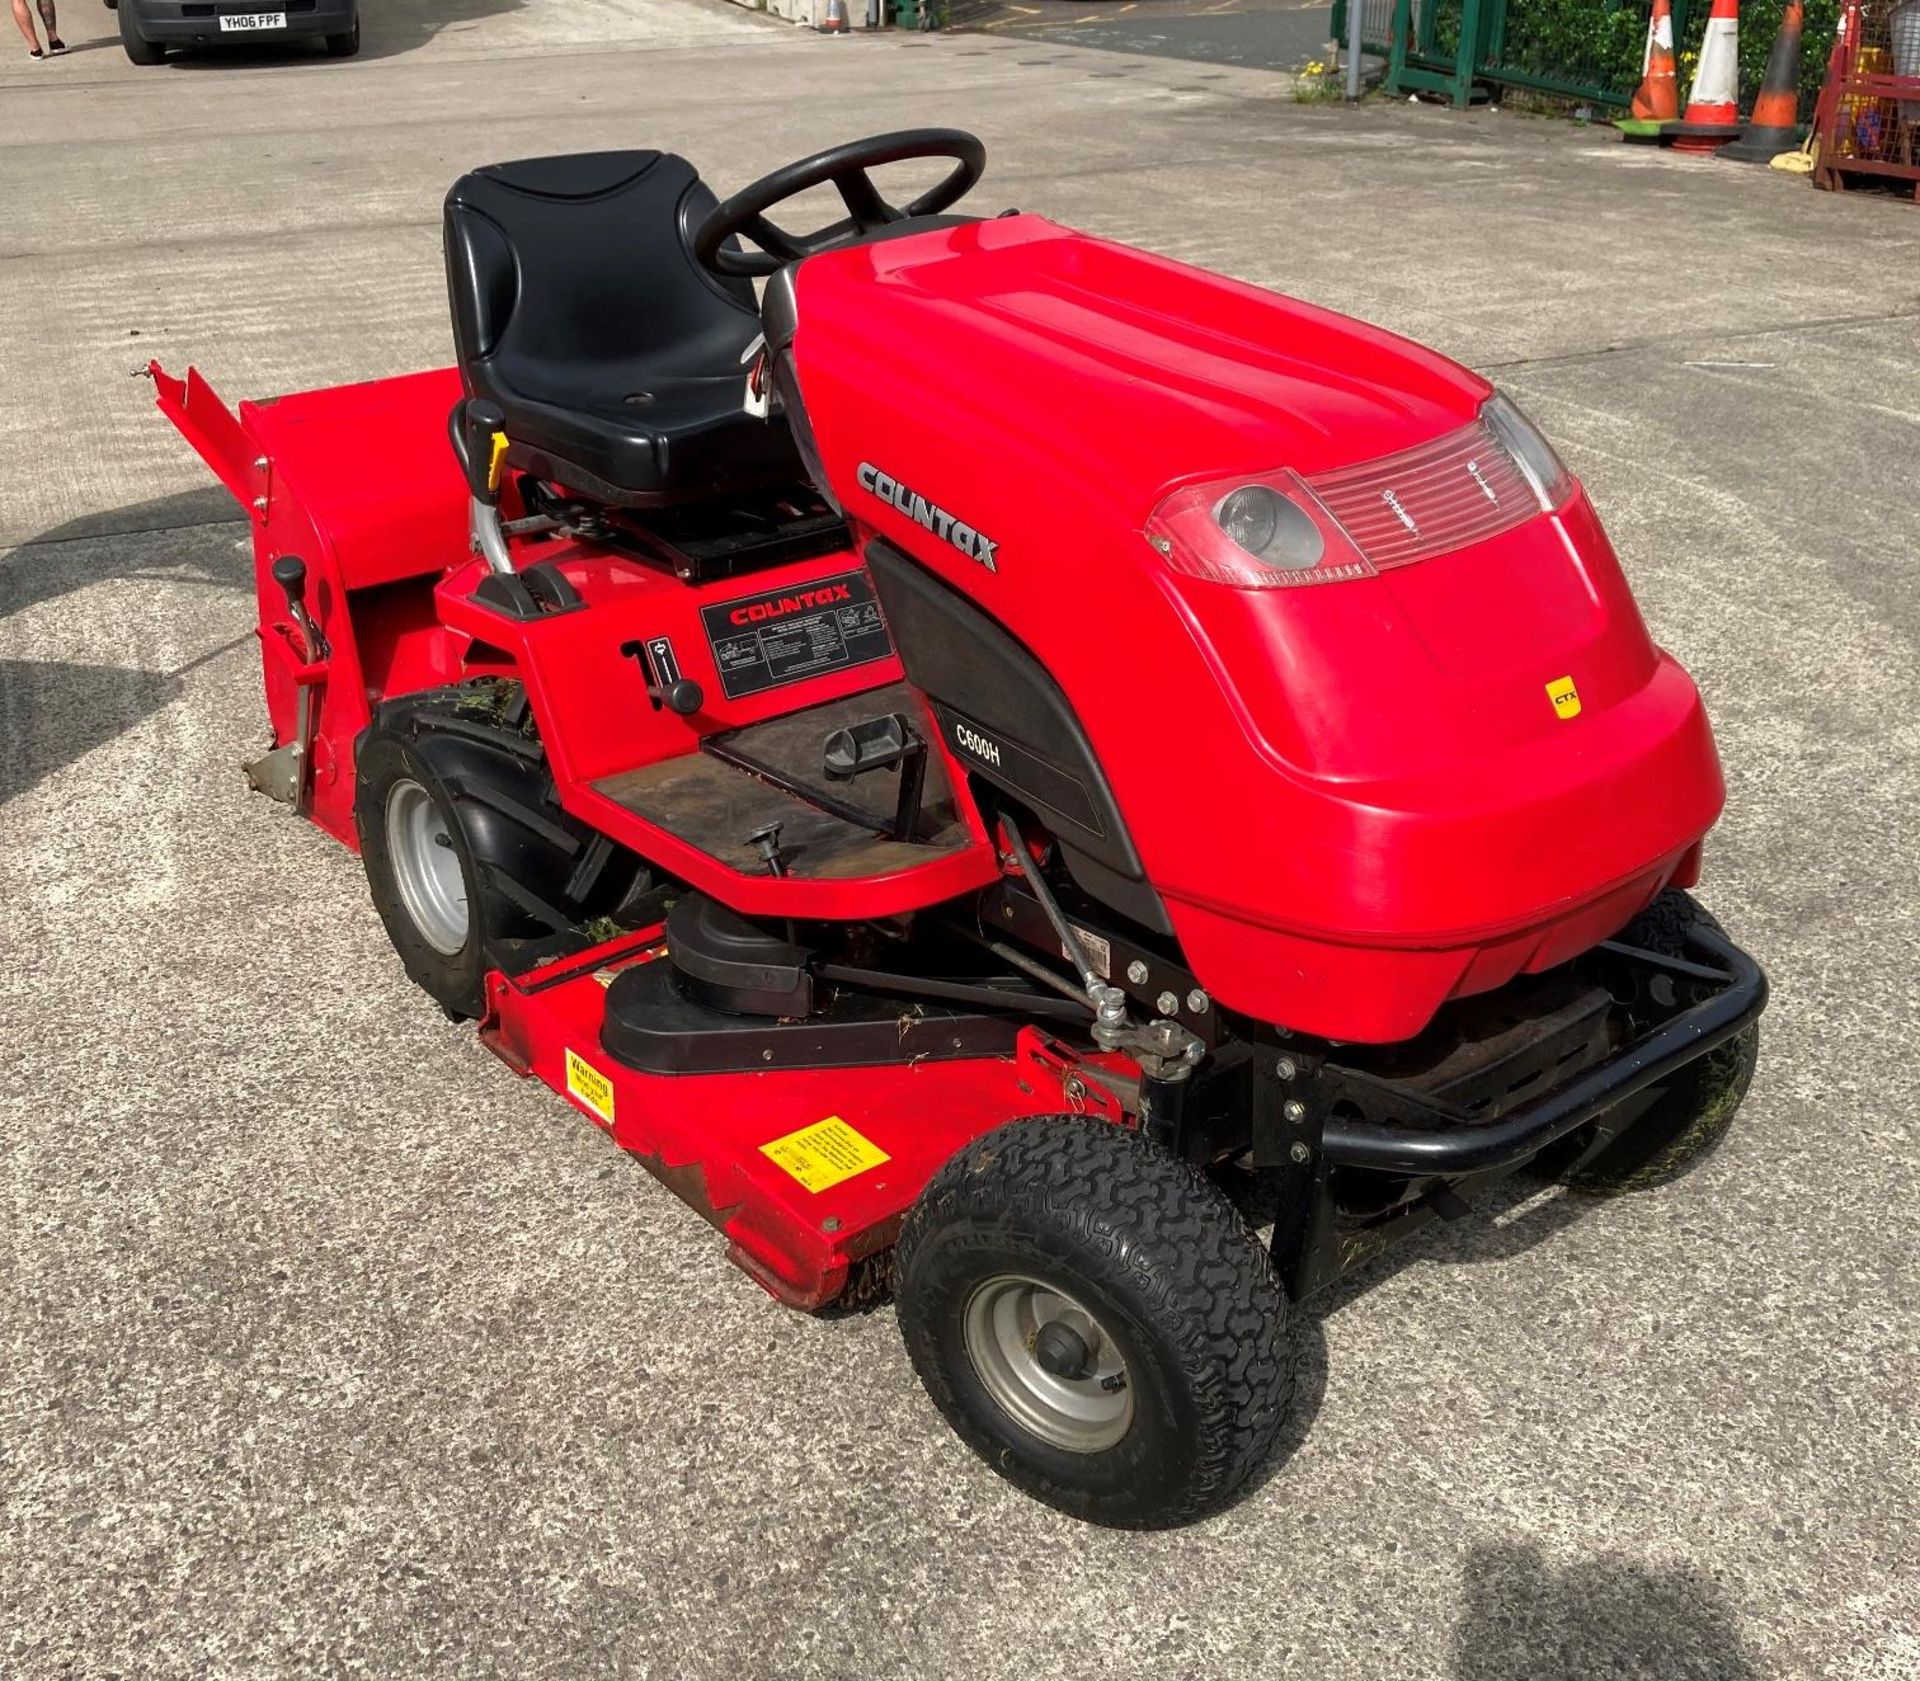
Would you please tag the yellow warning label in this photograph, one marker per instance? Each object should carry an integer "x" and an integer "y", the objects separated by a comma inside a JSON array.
[
  {"x": 822, "y": 1155},
  {"x": 590, "y": 1086},
  {"x": 1565, "y": 697}
]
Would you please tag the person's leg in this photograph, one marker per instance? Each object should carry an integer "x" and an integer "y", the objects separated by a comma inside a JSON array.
[
  {"x": 52, "y": 24},
  {"x": 23, "y": 17}
]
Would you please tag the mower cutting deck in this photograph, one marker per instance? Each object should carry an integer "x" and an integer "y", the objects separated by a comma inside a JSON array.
[{"x": 993, "y": 767}]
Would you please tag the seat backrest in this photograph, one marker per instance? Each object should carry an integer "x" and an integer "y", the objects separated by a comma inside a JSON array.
[{"x": 588, "y": 258}]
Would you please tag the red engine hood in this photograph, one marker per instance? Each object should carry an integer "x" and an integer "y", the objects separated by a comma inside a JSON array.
[
  {"x": 1353, "y": 799},
  {"x": 1160, "y": 366}
]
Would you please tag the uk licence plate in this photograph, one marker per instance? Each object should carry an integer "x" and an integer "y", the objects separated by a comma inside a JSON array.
[{"x": 242, "y": 21}]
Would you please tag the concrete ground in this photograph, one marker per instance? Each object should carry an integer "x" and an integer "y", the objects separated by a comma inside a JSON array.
[
  {"x": 1257, "y": 34},
  {"x": 329, "y": 1347}
]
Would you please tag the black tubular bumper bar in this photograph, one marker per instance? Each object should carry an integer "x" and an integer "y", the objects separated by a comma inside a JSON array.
[{"x": 1504, "y": 1143}]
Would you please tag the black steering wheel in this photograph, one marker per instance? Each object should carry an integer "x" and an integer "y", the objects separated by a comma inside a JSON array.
[{"x": 745, "y": 214}]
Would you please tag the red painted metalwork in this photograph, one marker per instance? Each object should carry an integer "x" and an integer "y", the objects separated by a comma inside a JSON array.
[
  {"x": 359, "y": 481},
  {"x": 705, "y": 1135},
  {"x": 1356, "y": 800}
]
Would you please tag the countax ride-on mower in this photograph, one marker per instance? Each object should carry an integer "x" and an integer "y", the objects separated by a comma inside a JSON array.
[{"x": 997, "y": 765}]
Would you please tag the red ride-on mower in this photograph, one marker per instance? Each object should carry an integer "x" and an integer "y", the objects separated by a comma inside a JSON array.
[{"x": 993, "y": 767}]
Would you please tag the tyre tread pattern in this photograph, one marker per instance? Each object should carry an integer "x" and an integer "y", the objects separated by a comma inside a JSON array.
[{"x": 1207, "y": 1280}]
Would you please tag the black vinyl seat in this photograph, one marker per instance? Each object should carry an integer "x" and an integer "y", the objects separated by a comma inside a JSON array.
[{"x": 579, "y": 308}]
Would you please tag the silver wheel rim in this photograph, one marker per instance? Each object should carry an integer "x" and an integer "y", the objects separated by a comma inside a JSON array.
[
  {"x": 426, "y": 869},
  {"x": 1004, "y": 1318}
]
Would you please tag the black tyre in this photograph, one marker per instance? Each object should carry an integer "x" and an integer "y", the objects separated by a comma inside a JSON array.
[
  {"x": 345, "y": 44},
  {"x": 471, "y": 862},
  {"x": 1688, "y": 1116},
  {"x": 1096, "y": 1321},
  {"x": 139, "y": 48}
]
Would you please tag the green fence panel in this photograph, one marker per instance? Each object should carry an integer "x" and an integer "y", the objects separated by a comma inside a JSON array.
[
  {"x": 1591, "y": 50},
  {"x": 1586, "y": 50}
]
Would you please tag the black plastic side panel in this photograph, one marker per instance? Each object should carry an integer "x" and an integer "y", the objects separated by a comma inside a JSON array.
[{"x": 1002, "y": 715}]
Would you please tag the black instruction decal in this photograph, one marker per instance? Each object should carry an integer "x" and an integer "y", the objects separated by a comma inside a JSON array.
[{"x": 785, "y": 636}]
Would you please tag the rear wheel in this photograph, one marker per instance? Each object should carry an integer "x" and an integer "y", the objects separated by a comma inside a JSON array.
[
  {"x": 1096, "y": 1321},
  {"x": 139, "y": 48},
  {"x": 471, "y": 863}
]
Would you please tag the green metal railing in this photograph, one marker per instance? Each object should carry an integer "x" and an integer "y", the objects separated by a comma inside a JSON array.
[{"x": 1446, "y": 46}]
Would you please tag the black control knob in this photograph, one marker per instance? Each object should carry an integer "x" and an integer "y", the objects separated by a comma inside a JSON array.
[
  {"x": 290, "y": 573},
  {"x": 684, "y": 697}
]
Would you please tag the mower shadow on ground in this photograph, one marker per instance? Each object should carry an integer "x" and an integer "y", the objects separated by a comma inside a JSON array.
[
  {"x": 1527, "y": 1620},
  {"x": 54, "y": 711},
  {"x": 1507, "y": 1220}
]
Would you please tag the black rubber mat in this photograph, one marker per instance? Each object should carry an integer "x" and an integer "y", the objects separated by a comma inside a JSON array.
[{"x": 714, "y": 802}]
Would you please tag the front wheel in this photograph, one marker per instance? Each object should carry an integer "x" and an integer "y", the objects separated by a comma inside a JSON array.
[
  {"x": 346, "y": 43},
  {"x": 1686, "y": 1123},
  {"x": 138, "y": 47},
  {"x": 1097, "y": 1322},
  {"x": 1687, "y": 1116}
]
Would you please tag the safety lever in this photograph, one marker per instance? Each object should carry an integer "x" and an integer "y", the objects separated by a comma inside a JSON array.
[{"x": 483, "y": 445}]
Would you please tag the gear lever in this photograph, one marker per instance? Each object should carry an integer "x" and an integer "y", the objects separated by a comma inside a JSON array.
[{"x": 290, "y": 573}]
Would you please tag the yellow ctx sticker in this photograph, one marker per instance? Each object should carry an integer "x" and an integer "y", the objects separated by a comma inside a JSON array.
[
  {"x": 1565, "y": 697},
  {"x": 822, "y": 1155},
  {"x": 590, "y": 1086}
]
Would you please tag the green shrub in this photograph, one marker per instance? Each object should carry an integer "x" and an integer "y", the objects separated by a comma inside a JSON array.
[{"x": 1599, "y": 43}]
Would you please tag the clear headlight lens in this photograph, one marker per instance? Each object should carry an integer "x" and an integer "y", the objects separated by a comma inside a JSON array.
[
  {"x": 1270, "y": 528},
  {"x": 1257, "y": 532},
  {"x": 1278, "y": 530}
]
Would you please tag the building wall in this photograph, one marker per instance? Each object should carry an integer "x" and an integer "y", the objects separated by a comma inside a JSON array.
[{"x": 812, "y": 12}]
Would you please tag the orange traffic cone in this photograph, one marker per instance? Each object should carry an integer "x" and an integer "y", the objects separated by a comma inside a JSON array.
[
  {"x": 1713, "y": 112},
  {"x": 1658, "y": 96},
  {"x": 836, "y": 19},
  {"x": 1774, "y": 126}
]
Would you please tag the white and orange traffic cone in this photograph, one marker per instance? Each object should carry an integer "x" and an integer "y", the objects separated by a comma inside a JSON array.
[
  {"x": 1657, "y": 99},
  {"x": 835, "y": 22},
  {"x": 1773, "y": 126},
  {"x": 1712, "y": 117}
]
